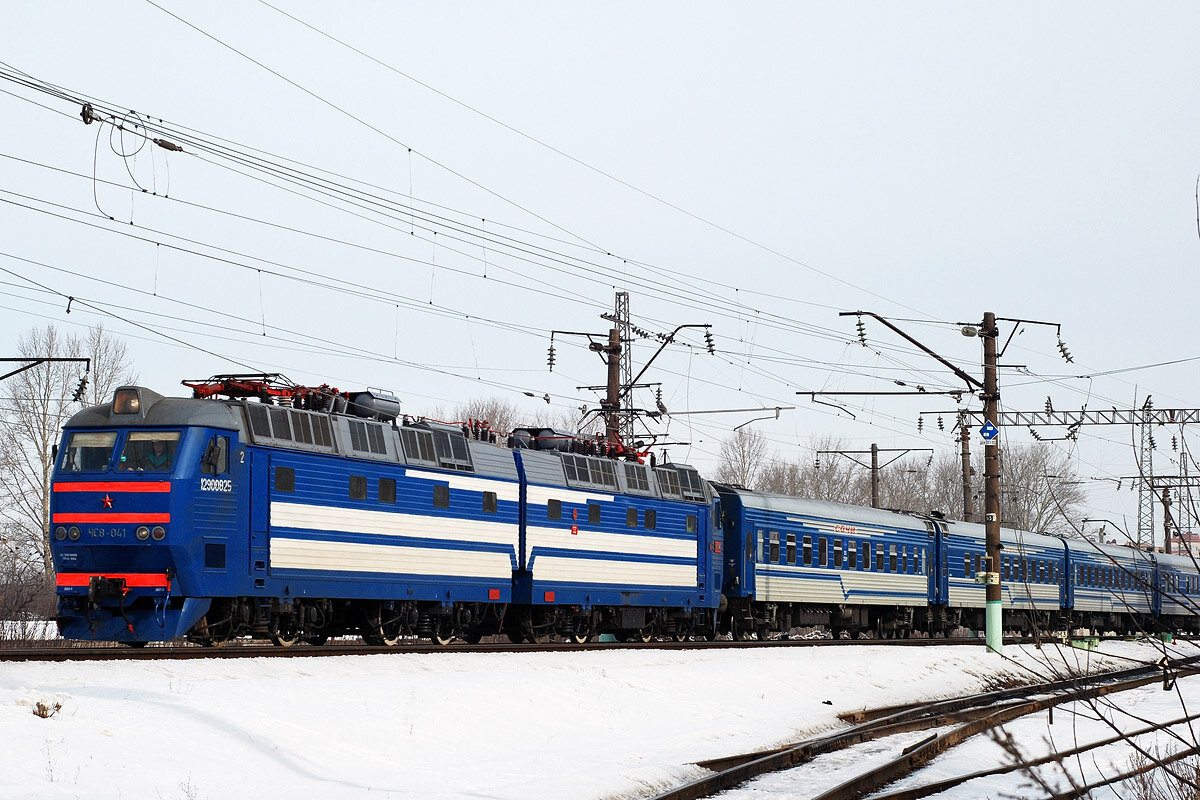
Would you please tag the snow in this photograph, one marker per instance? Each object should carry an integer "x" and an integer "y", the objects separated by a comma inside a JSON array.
[{"x": 604, "y": 724}]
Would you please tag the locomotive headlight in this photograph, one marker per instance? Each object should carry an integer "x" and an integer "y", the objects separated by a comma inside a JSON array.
[
  {"x": 73, "y": 533},
  {"x": 60, "y": 533},
  {"x": 158, "y": 533},
  {"x": 142, "y": 533}
]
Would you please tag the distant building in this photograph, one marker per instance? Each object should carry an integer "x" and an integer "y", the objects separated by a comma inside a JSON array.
[{"x": 1187, "y": 540}]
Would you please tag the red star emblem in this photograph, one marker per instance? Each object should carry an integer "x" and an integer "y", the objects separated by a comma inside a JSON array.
[{"x": 107, "y": 501}]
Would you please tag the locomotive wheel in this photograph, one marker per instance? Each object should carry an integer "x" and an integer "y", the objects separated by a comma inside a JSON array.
[
  {"x": 579, "y": 638},
  {"x": 644, "y": 635},
  {"x": 382, "y": 628},
  {"x": 443, "y": 633},
  {"x": 317, "y": 639},
  {"x": 135, "y": 645},
  {"x": 284, "y": 632},
  {"x": 514, "y": 636}
]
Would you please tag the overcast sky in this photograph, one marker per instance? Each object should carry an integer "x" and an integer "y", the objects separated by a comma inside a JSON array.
[{"x": 755, "y": 167}]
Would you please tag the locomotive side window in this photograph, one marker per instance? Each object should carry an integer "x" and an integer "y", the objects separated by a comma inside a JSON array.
[
  {"x": 216, "y": 456},
  {"x": 489, "y": 502},
  {"x": 904, "y": 561},
  {"x": 554, "y": 509},
  {"x": 88, "y": 452},
  {"x": 285, "y": 479},
  {"x": 879, "y": 564},
  {"x": 823, "y": 551},
  {"x": 774, "y": 556},
  {"x": 892, "y": 558},
  {"x": 441, "y": 496},
  {"x": 303, "y": 428},
  {"x": 807, "y": 553},
  {"x": 260, "y": 423},
  {"x": 387, "y": 490},
  {"x": 149, "y": 451},
  {"x": 593, "y": 513},
  {"x": 853, "y": 554},
  {"x": 651, "y": 518},
  {"x": 668, "y": 482},
  {"x": 791, "y": 548},
  {"x": 637, "y": 478},
  {"x": 837, "y": 553},
  {"x": 866, "y": 555},
  {"x": 280, "y": 427},
  {"x": 321, "y": 431},
  {"x": 631, "y": 518},
  {"x": 358, "y": 487},
  {"x": 966, "y": 565},
  {"x": 418, "y": 445},
  {"x": 692, "y": 523}
]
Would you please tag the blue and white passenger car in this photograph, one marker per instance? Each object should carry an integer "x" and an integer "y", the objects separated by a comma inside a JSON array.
[
  {"x": 794, "y": 562},
  {"x": 1032, "y": 577}
]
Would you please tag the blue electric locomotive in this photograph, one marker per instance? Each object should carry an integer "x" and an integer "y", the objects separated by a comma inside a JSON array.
[{"x": 316, "y": 514}]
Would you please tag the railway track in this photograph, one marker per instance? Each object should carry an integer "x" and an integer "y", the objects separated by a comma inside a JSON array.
[
  {"x": 952, "y": 722},
  {"x": 107, "y": 651}
]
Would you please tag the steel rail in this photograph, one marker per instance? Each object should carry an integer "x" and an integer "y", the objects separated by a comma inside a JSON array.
[
  {"x": 981, "y": 710},
  {"x": 108, "y": 651}
]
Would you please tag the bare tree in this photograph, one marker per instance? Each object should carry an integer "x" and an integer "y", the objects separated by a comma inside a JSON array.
[
  {"x": 819, "y": 478},
  {"x": 38, "y": 402},
  {"x": 743, "y": 457},
  {"x": 1040, "y": 489}
]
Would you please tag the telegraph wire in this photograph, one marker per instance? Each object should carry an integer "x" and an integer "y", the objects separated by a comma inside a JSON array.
[
  {"x": 839, "y": 337},
  {"x": 368, "y": 125},
  {"x": 366, "y": 292},
  {"x": 325, "y": 186},
  {"x": 597, "y": 170}
]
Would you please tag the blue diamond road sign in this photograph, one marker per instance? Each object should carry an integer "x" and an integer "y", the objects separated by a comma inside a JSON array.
[{"x": 989, "y": 431}]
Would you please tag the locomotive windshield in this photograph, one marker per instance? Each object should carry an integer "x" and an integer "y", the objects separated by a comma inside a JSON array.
[
  {"x": 88, "y": 451},
  {"x": 149, "y": 451}
]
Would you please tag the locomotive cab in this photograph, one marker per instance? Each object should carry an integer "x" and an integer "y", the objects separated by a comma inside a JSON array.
[{"x": 123, "y": 497}]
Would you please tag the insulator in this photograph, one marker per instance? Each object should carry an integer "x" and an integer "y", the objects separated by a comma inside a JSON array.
[
  {"x": 1066, "y": 354},
  {"x": 920, "y": 424},
  {"x": 1152, "y": 444},
  {"x": 1034, "y": 433},
  {"x": 1049, "y": 406},
  {"x": 80, "y": 389},
  {"x": 1174, "y": 444},
  {"x": 550, "y": 359},
  {"x": 862, "y": 331},
  {"x": 708, "y": 341},
  {"x": 941, "y": 423}
]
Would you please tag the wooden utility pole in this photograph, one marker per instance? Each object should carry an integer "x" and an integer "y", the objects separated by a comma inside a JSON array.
[
  {"x": 964, "y": 435},
  {"x": 874, "y": 466},
  {"x": 991, "y": 476}
]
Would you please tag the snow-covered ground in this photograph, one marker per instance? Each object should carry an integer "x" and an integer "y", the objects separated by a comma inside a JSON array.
[{"x": 619, "y": 723}]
